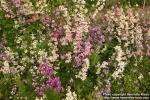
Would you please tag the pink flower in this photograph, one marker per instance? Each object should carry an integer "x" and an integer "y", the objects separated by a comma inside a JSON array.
[
  {"x": 57, "y": 34},
  {"x": 20, "y": 10},
  {"x": 107, "y": 87},
  {"x": 67, "y": 57},
  {"x": 69, "y": 36},
  {"x": 47, "y": 20},
  {"x": 33, "y": 18},
  {"x": 88, "y": 47},
  {"x": 16, "y": 3},
  {"x": 148, "y": 51}
]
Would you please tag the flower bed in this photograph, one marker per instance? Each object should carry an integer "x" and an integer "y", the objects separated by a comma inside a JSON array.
[{"x": 63, "y": 52}]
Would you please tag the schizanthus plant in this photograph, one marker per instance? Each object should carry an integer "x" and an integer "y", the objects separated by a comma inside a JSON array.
[{"x": 64, "y": 50}]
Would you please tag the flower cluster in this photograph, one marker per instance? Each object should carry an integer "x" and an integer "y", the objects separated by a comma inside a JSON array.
[
  {"x": 51, "y": 80},
  {"x": 99, "y": 6},
  {"x": 126, "y": 26},
  {"x": 83, "y": 73},
  {"x": 121, "y": 62},
  {"x": 104, "y": 65},
  {"x": 70, "y": 95},
  {"x": 96, "y": 37}
]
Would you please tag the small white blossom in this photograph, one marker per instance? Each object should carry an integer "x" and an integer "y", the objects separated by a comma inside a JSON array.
[
  {"x": 83, "y": 73},
  {"x": 70, "y": 95},
  {"x": 121, "y": 63},
  {"x": 5, "y": 69},
  {"x": 99, "y": 67}
]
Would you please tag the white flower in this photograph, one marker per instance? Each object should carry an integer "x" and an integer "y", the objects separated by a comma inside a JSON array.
[
  {"x": 54, "y": 56},
  {"x": 70, "y": 95},
  {"x": 121, "y": 62},
  {"x": 41, "y": 98},
  {"x": 99, "y": 6},
  {"x": 5, "y": 69},
  {"x": 83, "y": 73},
  {"x": 74, "y": 0},
  {"x": 140, "y": 77},
  {"x": 99, "y": 67}
]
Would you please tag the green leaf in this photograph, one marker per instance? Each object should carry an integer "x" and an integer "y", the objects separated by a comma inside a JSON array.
[
  {"x": 51, "y": 95},
  {"x": 94, "y": 58},
  {"x": 20, "y": 84}
]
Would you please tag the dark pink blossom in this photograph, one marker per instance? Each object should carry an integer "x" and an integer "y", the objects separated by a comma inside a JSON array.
[{"x": 47, "y": 20}]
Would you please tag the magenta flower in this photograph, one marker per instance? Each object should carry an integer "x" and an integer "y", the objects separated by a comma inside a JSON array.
[
  {"x": 57, "y": 81},
  {"x": 51, "y": 82}
]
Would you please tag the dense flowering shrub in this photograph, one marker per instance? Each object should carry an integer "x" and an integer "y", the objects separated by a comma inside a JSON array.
[{"x": 60, "y": 52}]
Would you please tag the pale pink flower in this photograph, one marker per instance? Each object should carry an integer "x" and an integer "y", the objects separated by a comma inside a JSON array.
[
  {"x": 16, "y": 3},
  {"x": 69, "y": 36},
  {"x": 88, "y": 47}
]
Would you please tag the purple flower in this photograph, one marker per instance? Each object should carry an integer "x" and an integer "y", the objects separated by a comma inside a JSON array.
[
  {"x": 55, "y": 83},
  {"x": 52, "y": 82},
  {"x": 79, "y": 59},
  {"x": 96, "y": 37},
  {"x": 95, "y": 29},
  {"x": 80, "y": 54}
]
